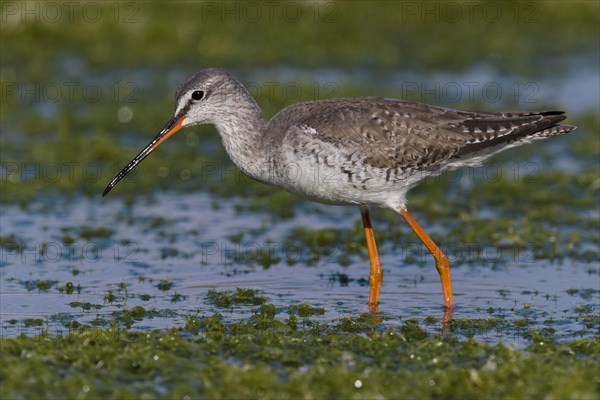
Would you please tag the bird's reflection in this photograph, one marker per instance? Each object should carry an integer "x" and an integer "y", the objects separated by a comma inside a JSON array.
[{"x": 445, "y": 319}]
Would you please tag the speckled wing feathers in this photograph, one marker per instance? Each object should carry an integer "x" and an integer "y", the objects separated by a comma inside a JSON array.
[
  {"x": 392, "y": 134},
  {"x": 503, "y": 128}
]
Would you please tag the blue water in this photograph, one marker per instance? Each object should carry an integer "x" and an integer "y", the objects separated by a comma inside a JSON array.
[{"x": 140, "y": 254}]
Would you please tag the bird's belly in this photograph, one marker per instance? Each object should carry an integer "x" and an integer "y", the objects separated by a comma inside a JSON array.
[{"x": 333, "y": 184}]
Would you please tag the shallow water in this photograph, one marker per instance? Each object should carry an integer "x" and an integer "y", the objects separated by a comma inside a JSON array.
[{"x": 193, "y": 242}]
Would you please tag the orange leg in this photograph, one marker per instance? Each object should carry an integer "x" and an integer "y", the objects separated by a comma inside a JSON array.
[
  {"x": 376, "y": 275},
  {"x": 442, "y": 264}
]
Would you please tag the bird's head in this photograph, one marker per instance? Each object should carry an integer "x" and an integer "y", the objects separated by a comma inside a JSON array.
[{"x": 197, "y": 101}]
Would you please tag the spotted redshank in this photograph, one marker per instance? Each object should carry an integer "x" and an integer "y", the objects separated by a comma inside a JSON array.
[{"x": 361, "y": 151}]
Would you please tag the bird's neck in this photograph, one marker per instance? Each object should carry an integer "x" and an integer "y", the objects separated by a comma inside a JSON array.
[{"x": 242, "y": 132}]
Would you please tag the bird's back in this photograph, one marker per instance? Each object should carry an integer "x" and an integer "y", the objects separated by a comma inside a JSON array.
[
  {"x": 391, "y": 133},
  {"x": 371, "y": 150}
]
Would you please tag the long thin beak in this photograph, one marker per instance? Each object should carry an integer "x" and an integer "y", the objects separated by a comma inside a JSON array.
[{"x": 175, "y": 124}]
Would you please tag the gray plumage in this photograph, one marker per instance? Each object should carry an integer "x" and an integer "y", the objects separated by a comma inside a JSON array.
[{"x": 362, "y": 150}]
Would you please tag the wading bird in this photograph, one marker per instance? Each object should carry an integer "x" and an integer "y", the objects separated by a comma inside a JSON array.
[{"x": 350, "y": 151}]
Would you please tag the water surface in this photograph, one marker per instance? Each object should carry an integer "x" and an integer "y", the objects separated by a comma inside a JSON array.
[{"x": 191, "y": 243}]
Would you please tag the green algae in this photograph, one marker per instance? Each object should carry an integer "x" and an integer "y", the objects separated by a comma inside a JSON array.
[
  {"x": 89, "y": 232},
  {"x": 305, "y": 310},
  {"x": 239, "y": 297},
  {"x": 69, "y": 288},
  {"x": 270, "y": 352},
  {"x": 252, "y": 359},
  {"x": 85, "y": 306},
  {"x": 165, "y": 285},
  {"x": 39, "y": 284},
  {"x": 398, "y": 31}
]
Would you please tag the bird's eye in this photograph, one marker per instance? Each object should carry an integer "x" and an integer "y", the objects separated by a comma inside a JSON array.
[{"x": 198, "y": 95}]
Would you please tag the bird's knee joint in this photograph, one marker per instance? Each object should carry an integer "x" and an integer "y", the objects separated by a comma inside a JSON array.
[{"x": 442, "y": 262}]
